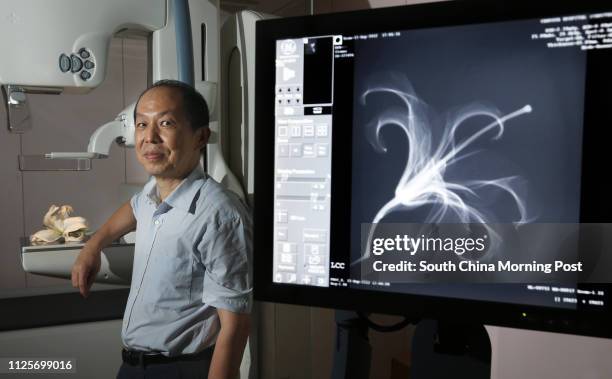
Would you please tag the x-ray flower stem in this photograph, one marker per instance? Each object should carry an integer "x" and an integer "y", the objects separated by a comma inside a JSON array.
[{"x": 423, "y": 181}]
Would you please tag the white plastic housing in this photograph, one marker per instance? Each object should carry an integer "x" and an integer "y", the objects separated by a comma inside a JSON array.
[
  {"x": 57, "y": 261},
  {"x": 36, "y": 32}
]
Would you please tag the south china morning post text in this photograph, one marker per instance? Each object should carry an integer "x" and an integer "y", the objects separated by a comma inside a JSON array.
[
  {"x": 404, "y": 244},
  {"x": 467, "y": 253}
]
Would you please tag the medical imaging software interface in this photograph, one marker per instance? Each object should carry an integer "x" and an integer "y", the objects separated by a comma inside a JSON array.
[{"x": 414, "y": 108}]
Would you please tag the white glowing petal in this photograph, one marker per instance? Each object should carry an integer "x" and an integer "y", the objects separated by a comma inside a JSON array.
[{"x": 422, "y": 182}]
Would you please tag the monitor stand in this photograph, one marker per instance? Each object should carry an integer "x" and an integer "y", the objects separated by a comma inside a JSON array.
[
  {"x": 352, "y": 350},
  {"x": 450, "y": 350},
  {"x": 439, "y": 350}
]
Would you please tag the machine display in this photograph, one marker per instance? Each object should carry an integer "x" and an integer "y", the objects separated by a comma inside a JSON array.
[{"x": 454, "y": 113}]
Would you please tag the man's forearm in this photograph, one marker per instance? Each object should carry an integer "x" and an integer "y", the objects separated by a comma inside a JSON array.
[
  {"x": 88, "y": 262},
  {"x": 120, "y": 223},
  {"x": 229, "y": 349}
]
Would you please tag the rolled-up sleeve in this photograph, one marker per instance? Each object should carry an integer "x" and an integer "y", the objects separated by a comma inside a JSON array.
[
  {"x": 134, "y": 203},
  {"x": 225, "y": 250}
]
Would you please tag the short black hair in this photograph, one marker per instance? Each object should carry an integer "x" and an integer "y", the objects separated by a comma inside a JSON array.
[{"x": 194, "y": 104}]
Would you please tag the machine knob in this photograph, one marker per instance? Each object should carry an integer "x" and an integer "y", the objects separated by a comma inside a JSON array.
[
  {"x": 84, "y": 53},
  {"x": 77, "y": 64},
  {"x": 64, "y": 63},
  {"x": 85, "y": 75}
]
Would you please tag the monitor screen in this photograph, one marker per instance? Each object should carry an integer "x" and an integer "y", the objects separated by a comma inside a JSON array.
[{"x": 422, "y": 158}]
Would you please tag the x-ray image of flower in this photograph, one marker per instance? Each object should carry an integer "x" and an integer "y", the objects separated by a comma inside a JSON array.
[{"x": 425, "y": 180}]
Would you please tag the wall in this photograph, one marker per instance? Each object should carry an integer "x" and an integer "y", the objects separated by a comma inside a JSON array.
[{"x": 540, "y": 355}]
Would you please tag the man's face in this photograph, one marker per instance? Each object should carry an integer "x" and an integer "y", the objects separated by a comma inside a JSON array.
[{"x": 166, "y": 145}]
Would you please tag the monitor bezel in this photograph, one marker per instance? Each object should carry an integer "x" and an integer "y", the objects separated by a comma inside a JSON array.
[{"x": 449, "y": 13}]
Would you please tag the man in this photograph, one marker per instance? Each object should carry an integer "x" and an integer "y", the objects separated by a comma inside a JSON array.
[{"x": 187, "y": 312}]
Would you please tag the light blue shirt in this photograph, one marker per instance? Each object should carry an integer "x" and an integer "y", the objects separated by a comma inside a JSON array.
[{"x": 192, "y": 256}]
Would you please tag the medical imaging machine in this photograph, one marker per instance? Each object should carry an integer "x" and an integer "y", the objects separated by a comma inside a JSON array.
[{"x": 66, "y": 51}]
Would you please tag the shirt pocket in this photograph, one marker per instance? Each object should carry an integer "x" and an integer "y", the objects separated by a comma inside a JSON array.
[{"x": 168, "y": 283}]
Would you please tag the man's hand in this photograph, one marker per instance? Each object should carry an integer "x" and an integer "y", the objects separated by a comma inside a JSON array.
[
  {"x": 230, "y": 345},
  {"x": 86, "y": 268}
]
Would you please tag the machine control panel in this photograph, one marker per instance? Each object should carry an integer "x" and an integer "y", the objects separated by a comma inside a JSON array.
[{"x": 80, "y": 63}]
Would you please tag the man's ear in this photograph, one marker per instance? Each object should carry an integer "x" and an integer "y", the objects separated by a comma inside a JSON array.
[{"x": 202, "y": 134}]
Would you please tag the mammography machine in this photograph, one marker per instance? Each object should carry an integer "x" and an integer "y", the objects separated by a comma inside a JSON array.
[
  {"x": 64, "y": 47},
  {"x": 71, "y": 56}
]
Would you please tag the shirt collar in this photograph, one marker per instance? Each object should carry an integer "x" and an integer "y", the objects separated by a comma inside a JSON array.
[{"x": 183, "y": 194}]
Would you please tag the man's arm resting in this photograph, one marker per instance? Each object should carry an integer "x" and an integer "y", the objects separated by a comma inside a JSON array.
[
  {"x": 230, "y": 344},
  {"x": 88, "y": 262}
]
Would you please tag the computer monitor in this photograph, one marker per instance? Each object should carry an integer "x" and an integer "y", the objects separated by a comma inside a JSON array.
[{"x": 480, "y": 124}]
